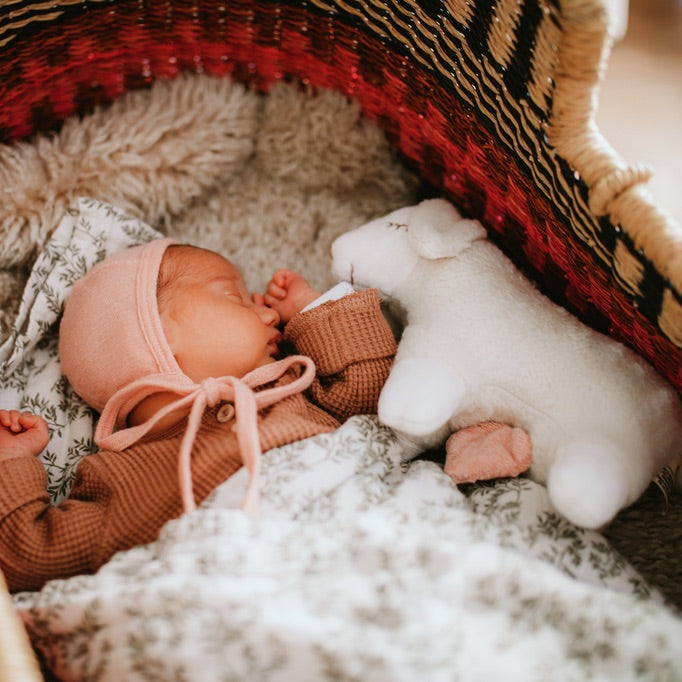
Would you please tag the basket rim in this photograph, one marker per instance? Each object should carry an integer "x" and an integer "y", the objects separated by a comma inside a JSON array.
[{"x": 616, "y": 190}]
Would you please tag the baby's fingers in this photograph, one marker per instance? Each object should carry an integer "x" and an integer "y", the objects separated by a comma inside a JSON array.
[
  {"x": 284, "y": 277},
  {"x": 28, "y": 420},
  {"x": 36, "y": 424},
  {"x": 15, "y": 421},
  {"x": 275, "y": 290},
  {"x": 12, "y": 420},
  {"x": 271, "y": 301},
  {"x": 280, "y": 277}
]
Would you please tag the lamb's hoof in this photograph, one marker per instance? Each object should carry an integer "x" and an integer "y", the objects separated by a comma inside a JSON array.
[
  {"x": 587, "y": 483},
  {"x": 485, "y": 451}
]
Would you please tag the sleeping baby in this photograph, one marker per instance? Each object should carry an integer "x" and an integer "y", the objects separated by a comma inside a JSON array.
[{"x": 166, "y": 343}]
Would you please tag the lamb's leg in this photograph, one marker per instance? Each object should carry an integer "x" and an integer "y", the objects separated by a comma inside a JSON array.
[
  {"x": 487, "y": 450},
  {"x": 588, "y": 483},
  {"x": 419, "y": 396}
]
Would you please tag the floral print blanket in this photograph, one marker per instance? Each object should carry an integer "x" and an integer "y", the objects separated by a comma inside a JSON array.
[{"x": 360, "y": 566}]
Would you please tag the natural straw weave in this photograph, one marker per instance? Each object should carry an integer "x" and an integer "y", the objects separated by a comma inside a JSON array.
[{"x": 492, "y": 102}]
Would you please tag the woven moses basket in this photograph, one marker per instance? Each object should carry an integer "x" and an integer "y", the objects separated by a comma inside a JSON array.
[{"x": 491, "y": 102}]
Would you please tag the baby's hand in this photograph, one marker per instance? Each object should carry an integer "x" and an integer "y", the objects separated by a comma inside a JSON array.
[
  {"x": 288, "y": 293},
  {"x": 22, "y": 434}
]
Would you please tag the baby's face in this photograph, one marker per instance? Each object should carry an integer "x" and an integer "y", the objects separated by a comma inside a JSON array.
[{"x": 211, "y": 322}]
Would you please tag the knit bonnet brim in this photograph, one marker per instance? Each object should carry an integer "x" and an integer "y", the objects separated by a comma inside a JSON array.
[{"x": 111, "y": 332}]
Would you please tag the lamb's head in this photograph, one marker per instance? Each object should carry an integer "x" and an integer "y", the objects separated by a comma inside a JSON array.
[
  {"x": 384, "y": 252},
  {"x": 378, "y": 254}
]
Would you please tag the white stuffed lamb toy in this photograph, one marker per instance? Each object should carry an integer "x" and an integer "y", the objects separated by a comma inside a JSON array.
[{"x": 481, "y": 343}]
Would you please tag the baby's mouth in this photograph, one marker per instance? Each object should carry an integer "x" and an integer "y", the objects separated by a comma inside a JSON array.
[{"x": 274, "y": 342}]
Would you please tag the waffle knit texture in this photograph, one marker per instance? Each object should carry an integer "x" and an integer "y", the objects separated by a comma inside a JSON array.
[{"x": 122, "y": 499}]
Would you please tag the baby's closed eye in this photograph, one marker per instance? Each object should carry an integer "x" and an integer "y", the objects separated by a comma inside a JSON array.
[{"x": 225, "y": 287}]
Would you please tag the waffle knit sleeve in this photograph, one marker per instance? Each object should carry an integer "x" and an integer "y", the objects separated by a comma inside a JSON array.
[
  {"x": 353, "y": 348},
  {"x": 118, "y": 500},
  {"x": 37, "y": 540}
]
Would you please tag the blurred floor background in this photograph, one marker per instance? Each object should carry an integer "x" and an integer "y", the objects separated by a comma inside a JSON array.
[{"x": 640, "y": 101}]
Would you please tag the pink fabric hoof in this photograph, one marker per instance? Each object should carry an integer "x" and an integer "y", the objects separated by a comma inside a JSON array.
[{"x": 487, "y": 450}]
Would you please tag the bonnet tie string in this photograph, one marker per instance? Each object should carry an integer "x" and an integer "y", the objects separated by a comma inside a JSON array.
[{"x": 247, "y": 403}]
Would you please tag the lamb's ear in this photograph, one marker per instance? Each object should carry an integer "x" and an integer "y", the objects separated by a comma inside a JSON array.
[{"x": 437, "y": 230}]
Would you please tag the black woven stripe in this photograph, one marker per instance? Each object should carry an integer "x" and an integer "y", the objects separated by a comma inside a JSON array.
[
  {"x": 649, "y": 299},
  {"x": 468, "y": 62},
  {"x": 608, "y": 234},
  {"x": 460, "y": 62},
  {"x": 489, "y": 113},
  {"x": 23, "y": 11},
  {"x": 518, "y": 71},
  {"x": 477, "y": 32},
  {"x": 16, "y": 11},
  {"x": 30, "y": 23}
]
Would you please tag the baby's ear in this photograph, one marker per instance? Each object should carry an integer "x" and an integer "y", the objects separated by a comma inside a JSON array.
[{"x": 171, "y": 330}]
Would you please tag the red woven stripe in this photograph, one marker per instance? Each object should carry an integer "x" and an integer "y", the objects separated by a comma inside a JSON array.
[{"x": 77, "y": 65}]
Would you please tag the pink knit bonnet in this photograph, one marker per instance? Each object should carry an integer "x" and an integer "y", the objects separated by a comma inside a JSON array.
[{"x": 114, "y": 353}]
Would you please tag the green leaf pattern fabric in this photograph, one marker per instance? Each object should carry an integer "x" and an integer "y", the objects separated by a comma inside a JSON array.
[{"x": 30, "y": 376}]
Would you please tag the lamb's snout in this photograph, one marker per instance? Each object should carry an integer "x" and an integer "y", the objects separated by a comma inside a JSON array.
[{"x": 342, "y": 266}]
